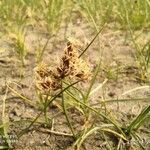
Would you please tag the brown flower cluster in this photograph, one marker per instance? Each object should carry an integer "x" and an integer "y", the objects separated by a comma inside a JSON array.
[
  {"x": 44, "y": 79},
  {"x": 70, "y": 65}
]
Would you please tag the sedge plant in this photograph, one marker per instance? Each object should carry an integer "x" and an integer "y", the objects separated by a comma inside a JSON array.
[{"x": 63, "y": 82}]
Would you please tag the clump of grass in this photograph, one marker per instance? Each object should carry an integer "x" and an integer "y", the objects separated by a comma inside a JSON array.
[
  {"x": 99, "y": 11},
  {"x": 18, "y": 38},
  {"x": 137, "y": 11},
  {"x": 53, "y": 14},
  {"x": 96, "y": 12},
  {"x": 131, "y": 129},
  {"x": 142, "y": 54},
  {"x": 47, "y": 78},
  {"x": 13, "y": 13},
  {"x": 143, "y": 62},
  {"x": 14, "y": 19}
]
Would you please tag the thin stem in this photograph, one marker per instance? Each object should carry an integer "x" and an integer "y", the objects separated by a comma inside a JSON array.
[
  {"x": 55, "y": 132},
  {"x": 45, "y": 108},
  {"x": 65, "y": 112},
  {"x": 92, "y": 40}
]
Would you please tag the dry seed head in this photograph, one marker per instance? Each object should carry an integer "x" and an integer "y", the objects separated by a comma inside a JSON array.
[
  {"x": 70, "y": 51},
  {"x": 64, "y": 68},
  {"x": 75, "y": 43},
  {"x": 45, "y": 80},
  {"x": 44, "y": 84},
  {"x": 70, "y": 65},
  {"x": 42, "y": 70},
  {"x": 47, "y": 84},
  {"x": 80, "y": 69}
]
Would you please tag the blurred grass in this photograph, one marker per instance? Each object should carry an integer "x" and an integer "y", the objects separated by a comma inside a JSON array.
[
  {"x": 137, "y": 10},
  {"x": 95, "y": 12}
]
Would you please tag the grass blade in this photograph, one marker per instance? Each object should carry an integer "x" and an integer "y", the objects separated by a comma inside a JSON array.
[
  {"x": 139, "y": 120},
  {"x": 92, "y": 40}
]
